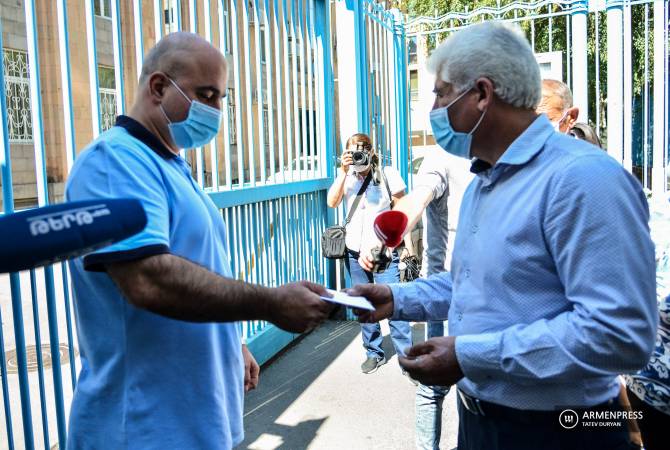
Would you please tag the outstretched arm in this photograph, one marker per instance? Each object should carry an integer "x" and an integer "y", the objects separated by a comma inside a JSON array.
[{"x": 179, "y": 289}]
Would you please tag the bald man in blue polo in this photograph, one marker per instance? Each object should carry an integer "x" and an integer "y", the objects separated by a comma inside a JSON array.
[{"x": 162, "y": 361}]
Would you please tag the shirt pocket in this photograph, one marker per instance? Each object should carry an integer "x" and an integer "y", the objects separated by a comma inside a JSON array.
[{"x": 375, "y": 199}]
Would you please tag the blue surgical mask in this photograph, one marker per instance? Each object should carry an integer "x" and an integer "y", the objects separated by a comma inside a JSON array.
[
  {"x": 200, "y": 126},
  {"x": 452, "y": 141}
]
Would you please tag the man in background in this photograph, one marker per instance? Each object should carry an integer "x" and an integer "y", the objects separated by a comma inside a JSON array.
[
  {"x": 435, "y": 198},
  {"x": 557, "y": 104}
]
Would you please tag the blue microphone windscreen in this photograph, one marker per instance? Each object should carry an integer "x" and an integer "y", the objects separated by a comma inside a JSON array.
[{"x": 50, "y": 234}]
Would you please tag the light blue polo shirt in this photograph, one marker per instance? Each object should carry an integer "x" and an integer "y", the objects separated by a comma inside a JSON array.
[{"x": 148, "y": 381}]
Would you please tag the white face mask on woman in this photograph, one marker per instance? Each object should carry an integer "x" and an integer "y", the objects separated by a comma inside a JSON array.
[{"x": 360, "y": 169}]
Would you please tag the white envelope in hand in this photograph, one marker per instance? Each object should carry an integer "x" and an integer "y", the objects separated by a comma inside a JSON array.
[{"x": 348, "y": 300}]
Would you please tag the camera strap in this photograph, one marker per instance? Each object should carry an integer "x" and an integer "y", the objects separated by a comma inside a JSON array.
[
  {"x": 358, "y": 198},
  {"x": 386, "y": 183}
]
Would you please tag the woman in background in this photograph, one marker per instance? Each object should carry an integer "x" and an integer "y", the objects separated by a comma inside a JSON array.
[{"x": 384, "y": 187}]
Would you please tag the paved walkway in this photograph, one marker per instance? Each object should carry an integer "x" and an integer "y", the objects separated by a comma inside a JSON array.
[{"x": 314, "y": 396}]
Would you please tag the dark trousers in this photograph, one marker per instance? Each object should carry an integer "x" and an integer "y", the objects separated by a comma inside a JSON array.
[
  {"x": 477, "y": 432},
  {"x": 653, "y": 426},
  {"x": 401, "y": 333}
]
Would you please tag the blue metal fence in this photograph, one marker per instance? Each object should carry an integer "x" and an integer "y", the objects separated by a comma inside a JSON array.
[
  {"x": 266, "y": 170},
  {"x": 381, "y": 65},
  {"x": 612, "y": 53},
  {"x": 377, "y": 77}
]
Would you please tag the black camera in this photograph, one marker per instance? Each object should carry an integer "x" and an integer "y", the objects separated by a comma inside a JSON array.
[
  {"x": 381, "y": 257},
  {"x": 361, "y": 158}
]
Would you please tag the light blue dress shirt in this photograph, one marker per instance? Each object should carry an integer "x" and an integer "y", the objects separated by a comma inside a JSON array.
[{"x": 552, "y": 287}]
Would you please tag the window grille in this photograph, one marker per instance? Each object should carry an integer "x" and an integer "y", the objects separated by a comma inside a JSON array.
[{"x": 17, "y": 90}]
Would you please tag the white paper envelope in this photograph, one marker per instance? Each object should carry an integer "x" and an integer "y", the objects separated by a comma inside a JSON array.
[{"x": 348, "y": 300}]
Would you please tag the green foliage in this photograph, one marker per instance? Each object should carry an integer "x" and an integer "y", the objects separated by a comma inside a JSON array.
[{"x": 539, "y": 33}]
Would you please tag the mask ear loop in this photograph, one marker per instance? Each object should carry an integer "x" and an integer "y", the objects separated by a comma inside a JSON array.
[
  {"x": 478, "y": 122},
  {"x": 164, "y": 113},
  {"x": 462, "y": 94},
  {"x": 180, "y": 91},
  {"x": 563, "y": 117}
]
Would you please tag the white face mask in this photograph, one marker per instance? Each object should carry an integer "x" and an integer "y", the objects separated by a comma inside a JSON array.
[{"x": 360, "y": 168}]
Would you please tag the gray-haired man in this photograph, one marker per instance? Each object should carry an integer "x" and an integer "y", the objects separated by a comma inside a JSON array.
[{"x": 551, "y": 292}]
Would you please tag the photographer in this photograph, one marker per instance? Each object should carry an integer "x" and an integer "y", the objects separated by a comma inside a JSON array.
[{"x": 360, "y": 162}]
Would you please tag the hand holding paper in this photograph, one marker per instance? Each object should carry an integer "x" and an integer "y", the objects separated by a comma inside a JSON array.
[
  {"x": 379, "y": 296},
  {"x": 348, "y": 300}
]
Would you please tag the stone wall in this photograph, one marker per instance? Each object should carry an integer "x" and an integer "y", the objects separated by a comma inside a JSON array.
[{"x": 12, "y": 14}]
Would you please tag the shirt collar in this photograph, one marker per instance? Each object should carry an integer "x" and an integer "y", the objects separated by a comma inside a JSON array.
[
  {"x": 524, "y": 148},
  {"x": 139, "y": 131}
]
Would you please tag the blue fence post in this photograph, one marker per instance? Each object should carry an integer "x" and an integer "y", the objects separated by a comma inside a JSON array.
[
  {"x": 38, "y": 352},
  {"x": 362, "y": 77},
  {"x": 66, "y": 82},
  {"x": 38, "y": 130},
  {"x": 8, "y": 203},
  {"x": 402, "y": 99},
  {"x": 322, "y": 24}
]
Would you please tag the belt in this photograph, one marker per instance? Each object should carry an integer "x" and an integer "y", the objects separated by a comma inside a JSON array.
[{"x": 493, "y": 410}]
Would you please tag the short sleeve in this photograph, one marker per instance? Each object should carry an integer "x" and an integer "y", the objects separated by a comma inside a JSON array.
[
  {"x": 116, "y": 171},
  {"x": 433, "y": 174},
  {"x": 396, "y": 183}
]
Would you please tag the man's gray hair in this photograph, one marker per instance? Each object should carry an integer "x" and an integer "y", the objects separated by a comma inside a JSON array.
[
  {"x": 493, "y": 50},
  {"x": 558, "y": 89}
]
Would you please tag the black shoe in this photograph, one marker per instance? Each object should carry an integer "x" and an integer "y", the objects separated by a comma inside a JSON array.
[
  {"x": 372, "y": 364},
  {"x": 409, "y": 377}
]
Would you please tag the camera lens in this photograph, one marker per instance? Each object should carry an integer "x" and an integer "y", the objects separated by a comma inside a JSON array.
[{"x": 360, "y": 158}]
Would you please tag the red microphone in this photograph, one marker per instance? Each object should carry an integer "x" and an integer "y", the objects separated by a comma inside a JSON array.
[{"x": 389, "y": 227}]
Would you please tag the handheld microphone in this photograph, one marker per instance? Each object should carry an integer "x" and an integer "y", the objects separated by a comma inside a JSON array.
[
  {"x": 389, "y": 227},
  {"x": 54, "y": 233}
]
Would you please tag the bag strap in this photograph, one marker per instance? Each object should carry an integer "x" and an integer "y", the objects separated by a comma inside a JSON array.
[
  {"x": 358, "y": 198},
  {"x": 388, "y": 189}
]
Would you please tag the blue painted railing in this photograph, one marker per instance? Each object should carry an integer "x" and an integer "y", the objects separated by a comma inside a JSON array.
[
  {"x": 382, "y": 84},
  {"x": 267, "y": 170}
]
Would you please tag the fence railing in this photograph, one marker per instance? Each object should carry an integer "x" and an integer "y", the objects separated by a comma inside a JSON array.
[
  {"x": 266, "y": 170},
  {"x": 372, "y": 88},
  {"x": 614, "y": 56},
  {"x": 382, "y": 74}
]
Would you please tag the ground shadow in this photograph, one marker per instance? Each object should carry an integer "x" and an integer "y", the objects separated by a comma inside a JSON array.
[{"x": 282, "y": 382}]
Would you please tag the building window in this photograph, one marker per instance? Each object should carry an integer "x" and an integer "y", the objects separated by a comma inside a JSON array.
[
  {"x": 103, "y": 8},
  {"x": 262, "y": 46},
  {"x": 266, "y": 125},
  {"x": 232, "y": 117},
  {"x": 251, "y": 12},
  {"x": 226, "y": 26},
  {"x": 107, "y": 96},
  {"x": 414, "y": 86},
  {"x": 17, "y": 90},
  {"x": 412, "y": 50},
  {"x": 297, "y": 46},
  {"x": 170, "y": 18}
]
